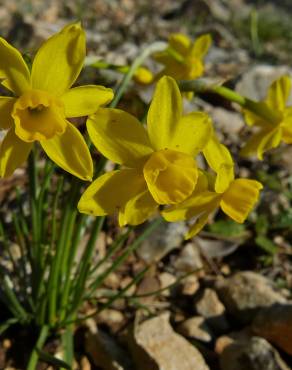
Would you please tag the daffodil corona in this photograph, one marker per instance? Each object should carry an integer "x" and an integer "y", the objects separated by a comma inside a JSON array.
[
  {"x": 159, "y": 164},
  {"x": 271, "y": 133},
  {"x": 236, "y": 197},
  {"x": 43, "y": 100}
]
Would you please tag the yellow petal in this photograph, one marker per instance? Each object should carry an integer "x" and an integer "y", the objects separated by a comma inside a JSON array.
[
  {"x": 119, "y": 137},
  {"x": 198, "y": 225},
  {"x": 13, "y": 152},
  {"x": 70, "y": 152},
  {"x": 262, "y": 141},
  {"x": 59, "y": 60},
  {"x": 240, "y": 198},
  {"x": 6, "y": 106},
  {"x": 191, "y": 133},
  {"x": 194, "y": 206},
  {"x": 85, "y": 100},
  {"x": 252, "y": 119},
  {"x": 286, "y": 126},
  {"x": 171, "y": 176},
  {"x": 13, "y": 69},
  {"x": 143, "y": 76},
  {"x": 138, "y": 209},
  {"x": 279, "y": 92},
  {"x": 164, "y": 113},
  {"x": 111, "y": 191},
  {"x": 180, "y": 43},
  {"x": 220, "y": 160},
  {"x": 201, "y": 46}
]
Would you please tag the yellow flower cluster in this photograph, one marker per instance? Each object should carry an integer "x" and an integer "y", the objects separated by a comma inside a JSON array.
[
  {"x": 158, "y": 168},
  {"x": 270, "y": 134}
]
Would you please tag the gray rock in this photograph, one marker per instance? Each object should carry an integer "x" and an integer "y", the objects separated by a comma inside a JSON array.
[
  {"x": 196, "y": 328},
  {"x": 274, "y": 323},
  {"x": 156, "y": 346},
  {"x": 252, "y": 354},
  {"x": 255, "y": 82},
  {"x": 189, "y": 258},
  {"x": 105, "y": 351},
  {"x": 245, "y": 293},
  {"x": 165, "y": 238},
  {"x": 211, "y": 308}
]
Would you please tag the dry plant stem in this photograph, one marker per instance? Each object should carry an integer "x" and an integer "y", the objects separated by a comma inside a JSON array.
[{"x": 259, "y": 108}]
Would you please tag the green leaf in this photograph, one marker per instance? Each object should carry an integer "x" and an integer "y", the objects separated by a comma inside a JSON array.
[
  {"x": 266, "y": 244},
  {"x": 262, "y": 225},
  {"x": 284, "y": 220},
  {"x": 50, "y": 359},
  {"x": 227, "y": 228},
  {"x": 6, "y": 324}
]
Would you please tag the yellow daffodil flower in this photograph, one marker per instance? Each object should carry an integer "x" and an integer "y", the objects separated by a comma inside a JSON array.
[
  {"x": 159, "y": 165},
  {"x": 269, "y": 134},
  {"x": 43, "y": 100},
  {"x": 236, "y": 197},
  {"x": 183, "y": 59}
]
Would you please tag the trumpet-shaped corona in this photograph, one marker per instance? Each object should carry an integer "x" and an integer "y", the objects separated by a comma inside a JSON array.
[
  {"x": 44, "y": 99},
  {"x": 159, "y": 164}
]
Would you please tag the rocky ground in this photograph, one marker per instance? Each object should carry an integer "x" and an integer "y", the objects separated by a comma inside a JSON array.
[{"x": 222, "y": 300}]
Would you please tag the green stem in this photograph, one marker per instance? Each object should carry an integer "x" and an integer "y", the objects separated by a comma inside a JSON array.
[
  {"x": 39, "y": 344},
  {"x": 259, "y": 108},
  {"x": 156, "y": 46}
]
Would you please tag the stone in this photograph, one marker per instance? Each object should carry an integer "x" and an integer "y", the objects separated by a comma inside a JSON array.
[
  {"x": 165, "y": 238},
  {"x": 196, "y": 328},
  {"x": 104, "y": 350},
  {"x": 254, "y": 353},
  {"x": 166, "y": 279},
  {"x": 274, "y": 323},
  {"x": 255, "y": 82},
  {"x": 245, "y": 293},
  {"x": 211, "y": 308},
  {"x": 156, "y": 346},
  {"x": 189, "y": 258},
  {"x": 189, "y": 286}
]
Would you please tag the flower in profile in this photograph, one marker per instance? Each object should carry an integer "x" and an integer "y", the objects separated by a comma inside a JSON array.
[
  {"x": 184, "y": 59},
  {"x": 236, "y": 197},
  {"x": 159, "y": 164},
  {"x": 270, "y": 134},
  {"x": 44, "y": 99}
]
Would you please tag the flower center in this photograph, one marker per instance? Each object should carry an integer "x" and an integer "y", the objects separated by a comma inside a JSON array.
[
  {"x": 171, "y": 176},
  {"x": 38, "y": 116}
]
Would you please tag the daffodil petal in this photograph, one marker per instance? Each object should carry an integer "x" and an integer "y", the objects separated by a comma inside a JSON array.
[
  {"x": 194, "y": 206},
  {"x": 13, "y": 69},
  {"x": 191, "y": 133},
  {"x": 85, "y": 100},
  {"x": 6, "y": 106},
  {"x": 59, "y": 60},
  {"x": 252, "y": 119},
  {"x": 138, "y": 209},
  {"x": 262, "y": 141},
  {"x": 198, "y": 225},
  {"x": 119, "y": 137},
  {"x": 13, "y": 153},
  {"x": 164, "y": 113},
  {"x": 220, "y": 160},
  {"x": 279, "y": 92},
  {"x": 180, "y": 43},
  {"x": 286, "y": 126},
  {"x": 240, "y": 198},
  {"x": 70, "y": 152},
  {"x": 201, "y": 46},
  {"x": 111, "y": 191}
]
